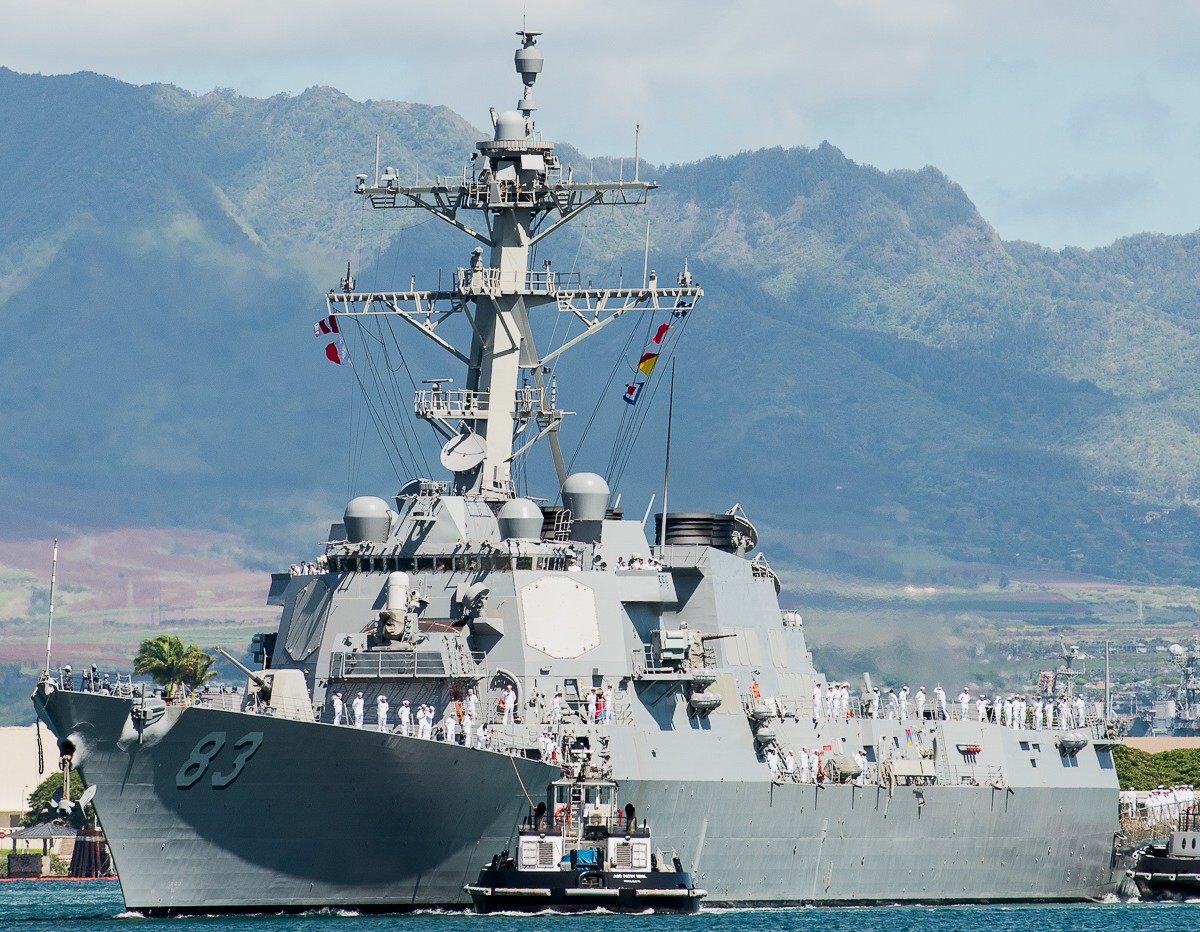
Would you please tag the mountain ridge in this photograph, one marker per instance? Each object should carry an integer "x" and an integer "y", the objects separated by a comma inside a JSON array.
[{"x": 862, "y": 330}]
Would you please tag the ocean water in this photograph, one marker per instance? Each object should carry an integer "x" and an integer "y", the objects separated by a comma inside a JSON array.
[{"x": 96, "y": 906}]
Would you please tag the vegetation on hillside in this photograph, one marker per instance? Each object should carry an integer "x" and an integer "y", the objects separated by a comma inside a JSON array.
[{"x": 898, "y": 372}]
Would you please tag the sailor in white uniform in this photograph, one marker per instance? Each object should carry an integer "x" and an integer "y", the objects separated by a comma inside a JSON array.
[
  {"x": 861, "y": 757},
  {"x": 939, "y": 700},
  {"x": 789, "y": 764},
  {"x": 468, "y": 724},
  {"x": 405, "y": 718},
  {"x": 483, "y": 739},
  {"x": 904, "y": 704},
  {"x": 472, "y": 703},
  {"x": 510, "y": 704},
  {"x": 773, "y": 762},
  {"x": 357, "y": 706},
  {"x": 981, "y": 707},
  {"x": 450, "y": 725},
  {"x": 920, "y": 703},
  {"x": 556, "y": 709},
  {"x": 609, "y": 695},
  {"x": 875, "y": 702},
  {"x": 339, "y": 709},
  {"x": 964, "y": 703},
  {"x": 381, "y": 712},
  {"x": 818, "y": 713}
]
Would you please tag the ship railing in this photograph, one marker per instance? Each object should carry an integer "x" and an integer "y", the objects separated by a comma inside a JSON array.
[
  {"x": 451, "y": 403},
  {"x": 291, "y": 710},
  {"x": 777, "y": 706},
  {"x": 644, "y": 663},
  {"x": 488, "y": 280},
  {"x": 572, "y": 712},
  {"x": 969, "y": 775},
  {"x": 460, "y": 403},
  {"x": 224, "y": 701},
  {"x": 404, "y": 663}
]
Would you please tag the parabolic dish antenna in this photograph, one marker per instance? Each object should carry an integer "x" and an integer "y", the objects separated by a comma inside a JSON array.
[{"x": 464, "y": 452}]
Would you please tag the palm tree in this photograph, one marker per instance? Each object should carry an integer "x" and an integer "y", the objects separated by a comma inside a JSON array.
[
  {"x": 169, "y": 663},
  {"x": 197, "y": 667}
]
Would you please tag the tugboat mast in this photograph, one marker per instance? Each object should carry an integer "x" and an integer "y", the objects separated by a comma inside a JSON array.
[{"x": 523, "y": 194}]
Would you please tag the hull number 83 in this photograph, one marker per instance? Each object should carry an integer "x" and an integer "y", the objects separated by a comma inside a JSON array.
[{"x": 206, "y": 751}]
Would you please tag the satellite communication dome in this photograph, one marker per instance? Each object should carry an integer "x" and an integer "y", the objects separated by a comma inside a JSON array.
[
  {"x": 510, "y": 126},
  {"x": 1176, "y": 650},
  {"x": 586, "y": 494},
  {"x": 520, "y": 519},
  {"x": 368, "y": 518}
]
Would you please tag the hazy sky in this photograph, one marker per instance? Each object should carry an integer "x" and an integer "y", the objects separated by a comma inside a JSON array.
[{"x": 1065, "y": 122}]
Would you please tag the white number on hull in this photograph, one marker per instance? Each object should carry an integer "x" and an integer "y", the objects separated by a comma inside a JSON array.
[{"x": 206, "y": 750}]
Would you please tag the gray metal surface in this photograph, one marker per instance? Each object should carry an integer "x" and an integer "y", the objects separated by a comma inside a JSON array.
[{"x": 208, "y": 808}]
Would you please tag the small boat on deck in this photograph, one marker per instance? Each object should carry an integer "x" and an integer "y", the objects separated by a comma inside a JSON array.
[{"x": 582, "y": 851}]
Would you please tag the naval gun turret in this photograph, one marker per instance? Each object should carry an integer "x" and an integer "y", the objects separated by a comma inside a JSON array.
[{"x": 282, "y": 693}]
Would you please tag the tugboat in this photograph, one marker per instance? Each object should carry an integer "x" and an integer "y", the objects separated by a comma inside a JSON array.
[
  {"x": 1171, "y": 871},
  {"x": 584, "y": 853}
]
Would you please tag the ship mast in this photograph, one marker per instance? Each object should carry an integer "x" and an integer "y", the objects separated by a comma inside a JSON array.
[{"x": 523, "y": 194}]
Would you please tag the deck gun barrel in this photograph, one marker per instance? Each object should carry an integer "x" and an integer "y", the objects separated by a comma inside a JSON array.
[{"x": 256, "y": 677}]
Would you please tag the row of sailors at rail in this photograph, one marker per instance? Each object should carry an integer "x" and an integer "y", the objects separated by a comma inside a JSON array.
[
  {"x": 805, "y": 767},
  {"x": 832, "y": 702},
  {"x": 1160, "y": 805},
  {"x": 464, "y": 715},
  {"x": 308, "y": 567},
  {"x": 459, "y": 718}
]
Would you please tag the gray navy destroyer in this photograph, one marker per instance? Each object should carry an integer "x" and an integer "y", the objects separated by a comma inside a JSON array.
[{"x": 550, "y": 640}]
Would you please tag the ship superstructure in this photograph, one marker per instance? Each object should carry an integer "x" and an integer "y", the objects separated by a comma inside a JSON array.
[{"x": 541, "y": 636}]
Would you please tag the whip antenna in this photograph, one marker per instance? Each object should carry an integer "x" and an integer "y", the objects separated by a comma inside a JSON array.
[{"x": 50, "y": 623}]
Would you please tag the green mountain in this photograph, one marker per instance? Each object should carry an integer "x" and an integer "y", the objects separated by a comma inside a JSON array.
[{"x": 870, "y": 361}]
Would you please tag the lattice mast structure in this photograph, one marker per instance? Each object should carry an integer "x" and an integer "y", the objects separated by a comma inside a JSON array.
[{"x": 522, "y": 193}]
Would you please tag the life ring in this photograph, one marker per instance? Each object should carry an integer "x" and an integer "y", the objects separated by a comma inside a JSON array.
[{"x": 563, "y": 814}]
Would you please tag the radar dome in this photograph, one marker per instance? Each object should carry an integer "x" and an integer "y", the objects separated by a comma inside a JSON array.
[
  {"x": 368, "y": 518},
  {"x": 586, "y": 494},
  {"x": 520, "y": 519},
  {"x": 510, "y": 126},
  {"x": 1176, "y": 650}
]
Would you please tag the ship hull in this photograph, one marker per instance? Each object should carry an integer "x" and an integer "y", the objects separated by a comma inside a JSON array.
[
  {"x": 322, "y": 816},
  {"x": 315, "y": 816},
  {"x": 798, "y": 844}
]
